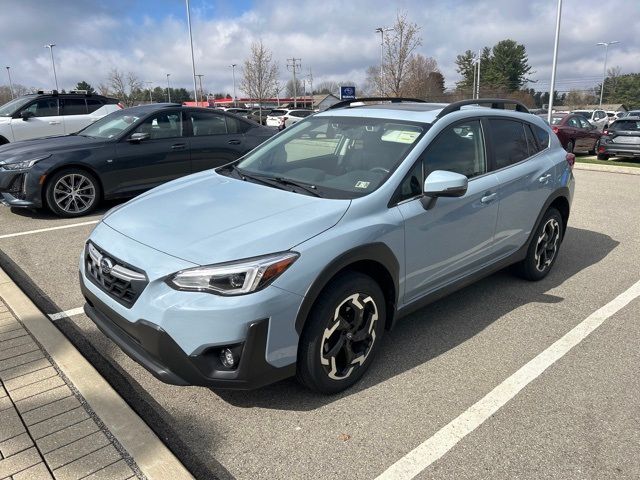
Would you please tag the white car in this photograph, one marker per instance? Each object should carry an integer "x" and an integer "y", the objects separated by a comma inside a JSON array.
[
  {"x": 281, "y": 118},
  {"x": 51, "y": 114},
  {"x": 598, "y": 118}
]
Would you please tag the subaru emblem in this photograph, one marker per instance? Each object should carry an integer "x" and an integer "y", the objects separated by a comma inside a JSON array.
[{"x": 106, "y": 264}]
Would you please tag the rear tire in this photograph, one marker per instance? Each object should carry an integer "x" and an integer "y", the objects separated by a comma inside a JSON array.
[
  {"x": 72, "y": 192},
  {"x": 544, "y": 247},
  {"x": 342, "y": 334}
]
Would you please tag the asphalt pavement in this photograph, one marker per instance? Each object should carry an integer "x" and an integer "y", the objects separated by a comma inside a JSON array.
[{"x": 579, "y": 419}]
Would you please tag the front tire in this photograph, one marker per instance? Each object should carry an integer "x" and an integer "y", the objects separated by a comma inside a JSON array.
[
  {"x": 544, "y": 247},
  {"x": 72, "y": 192},
  {"x": 342, "y": 334}
]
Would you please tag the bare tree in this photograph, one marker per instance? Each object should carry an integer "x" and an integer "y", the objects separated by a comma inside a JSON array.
[
  {"x": 398, "y": 47},
  {"x": 423, "y": 78},
  {"x": 125, "y": 86},
  {"x": 18, "y": 91},
  {"x": 259, "y": 74},
  {"x": 290, "y": 90}
]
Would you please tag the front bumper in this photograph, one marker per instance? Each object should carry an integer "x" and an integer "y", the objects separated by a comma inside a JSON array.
[
  {"x": 18, "y": 189},
  {"x": 150, "y": 346}
]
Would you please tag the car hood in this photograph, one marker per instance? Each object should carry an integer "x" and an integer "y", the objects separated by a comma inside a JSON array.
[
  {"x": 18, "y": 150},
  {"x": 207, "y": 218}
]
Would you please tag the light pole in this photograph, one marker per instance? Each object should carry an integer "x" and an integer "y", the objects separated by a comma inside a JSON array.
[
  {"x": 381, "y": 31},
  {"x": 293, "y": 66},
  {"x": 555, "y": 62},
  {"x": 193, "y": 62},
  {"x": 233, "y": 72},
  {"x": 10, "y": 82},
  {"x": 478, "y": 80},
  {"x": 150, "y": 95},
  {"x": 201, "y": 91},
  {"x": 53, "y": 63},
  {"x": 604, "y": 70},
  {"x": 168, "y": 89}
]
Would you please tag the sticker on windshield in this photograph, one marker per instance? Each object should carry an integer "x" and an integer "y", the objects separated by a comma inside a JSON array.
[
  {"x": 362, "y": 184},
  {"x": 400, "y": 136}
]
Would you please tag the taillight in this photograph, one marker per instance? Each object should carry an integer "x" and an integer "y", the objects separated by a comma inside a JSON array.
[
  {"x": 120, "y": 105},
  {"x": 555, "y": 129},
  {"x": 571, "y": 159},
  {"x": 605, "y": 132}
]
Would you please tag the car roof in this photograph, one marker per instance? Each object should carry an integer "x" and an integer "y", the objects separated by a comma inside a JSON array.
[{"x": 151, "y": 107}]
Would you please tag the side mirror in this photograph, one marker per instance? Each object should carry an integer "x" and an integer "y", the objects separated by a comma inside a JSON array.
[
  {"x": 138, "y": 137},
  {"x": 26, "y": 115},
  {"x": 442, "y": 183}
]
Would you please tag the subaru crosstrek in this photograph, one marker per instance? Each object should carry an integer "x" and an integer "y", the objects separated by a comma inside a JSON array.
[{"x": 296, "y": 258}]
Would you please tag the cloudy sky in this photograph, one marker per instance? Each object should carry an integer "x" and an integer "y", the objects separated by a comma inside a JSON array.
[{"x": 336, "y": 39}]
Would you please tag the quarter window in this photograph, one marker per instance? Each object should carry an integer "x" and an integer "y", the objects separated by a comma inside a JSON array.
[
  {"x": 206, "y": 123},
  {"x": 531, "y": 141},
  {"x": 542, "y": 135},
  {"x": 509, "y": 142},
  {"x": 93, "y": 104},
  {"x": 235, "y": 125},
  {"x": 459, "y": 149},
  {"x": 73, "y": 106}
]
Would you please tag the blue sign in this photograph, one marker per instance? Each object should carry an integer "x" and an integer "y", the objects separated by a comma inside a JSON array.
[{"x": 347, "y": 93}]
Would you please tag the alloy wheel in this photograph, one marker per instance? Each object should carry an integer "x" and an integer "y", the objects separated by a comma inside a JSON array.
[
  {"x": 348, "y": 340},
  {"x": 74, "y": 193},
  {"x": 547, "y": 244}
]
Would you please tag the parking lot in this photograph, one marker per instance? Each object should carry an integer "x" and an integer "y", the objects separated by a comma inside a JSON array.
[{"x": 580, "y": 418}]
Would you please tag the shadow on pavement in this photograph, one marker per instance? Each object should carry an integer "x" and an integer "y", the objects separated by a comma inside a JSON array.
[
  {"x": 46, "y": 214},
  {"x": 443, "y": 325}
]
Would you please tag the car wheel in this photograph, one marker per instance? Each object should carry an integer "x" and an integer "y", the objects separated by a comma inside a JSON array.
[
  {"x": 603, "y": 156},
  {"x": 72, "y": 193},
  {"x": 544, "y": 247},
  {"x": 342, "y": 334},
  {"x": 569, "y": 147},
  {"x": 595, "y": 148}
]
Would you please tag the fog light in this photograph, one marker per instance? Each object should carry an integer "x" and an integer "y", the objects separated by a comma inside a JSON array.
[{"x": 227, "y": 358}]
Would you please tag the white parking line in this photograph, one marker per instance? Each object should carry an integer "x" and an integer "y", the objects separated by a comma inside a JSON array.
[
  {"x": 60, "y": 227},
  {"x": 68, "y": 313},
  {"x": 447, "y": 437}
]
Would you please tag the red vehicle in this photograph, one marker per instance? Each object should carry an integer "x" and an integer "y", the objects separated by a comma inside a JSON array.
[{"x": 575, "y": 132}]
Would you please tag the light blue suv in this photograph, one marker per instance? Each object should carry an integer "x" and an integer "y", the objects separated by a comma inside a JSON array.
[{"x": 295, "y": 259}]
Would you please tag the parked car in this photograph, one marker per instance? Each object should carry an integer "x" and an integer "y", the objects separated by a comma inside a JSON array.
[
  {"x": 598, "y": 118},
  {"x": 241, "y": 112},
  {"x": 575, "y": 132},
  {"x": 613, "y": 116},
  {"x": 121, "y": 155},
  {"x": 259, "y": 117},
  {"x": 297, "y": 258},
  {"x": 621, "y": 139},
  {"x": 51, "y": 114},
  {"x": 281, "y": 118}
]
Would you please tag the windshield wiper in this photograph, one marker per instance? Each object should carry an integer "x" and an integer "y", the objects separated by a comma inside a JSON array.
[
  {"x": 312, "y": 189},
  {"x": 277, "y": 181},
  {"x": 265, "y": 180}
]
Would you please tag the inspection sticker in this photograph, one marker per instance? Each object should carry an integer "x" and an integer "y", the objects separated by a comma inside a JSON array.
[{"x": 361, "y": 184}]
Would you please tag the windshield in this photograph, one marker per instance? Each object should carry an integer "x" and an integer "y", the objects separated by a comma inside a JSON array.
[
  {"x": 14, "y": 105},
  {"x": 342, "y": 157},
  {"x": 111, "y": 125},
  {"x": 556, "y": 120}
]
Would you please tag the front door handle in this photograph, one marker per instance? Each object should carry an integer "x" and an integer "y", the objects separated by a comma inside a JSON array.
[
  {"x": 54, "y": 122},
  {"x": 544, "y": 178},
  {"x": 178, "y": 146},
  {"x": 234, "y": 142},
  {"x": 489, "y": 197}
]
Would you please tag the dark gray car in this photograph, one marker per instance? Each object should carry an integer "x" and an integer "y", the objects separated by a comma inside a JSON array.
[{"x": 122, "y": 155}]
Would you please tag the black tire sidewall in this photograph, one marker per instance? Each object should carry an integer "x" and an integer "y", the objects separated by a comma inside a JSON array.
[
  {"x": 529, "y": 264},
  {"x": 310, "y": 371},
  {"x": 573, "y": 146},
  {"x": 50, "y": 202}
]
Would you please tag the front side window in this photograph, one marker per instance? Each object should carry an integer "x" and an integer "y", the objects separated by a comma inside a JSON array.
[
  {"x": 207, "y": 123},
  {"x": 459, "y": 149},
  {"x": 110, "y": 126},
  {"x": 73, "y": 106},
  {"x": 509, "y": 142},
  {"x": 584, "y": 124},
  {"x": 13, "y": 106},
  {"x": 44, "y": 107},
  {"x": 574, "y": 122},
  {"x": 342, "y": 157},
  {"x": 162, "y": 125}
]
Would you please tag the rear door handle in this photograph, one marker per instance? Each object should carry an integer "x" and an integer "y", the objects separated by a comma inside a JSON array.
[
  {"x": 544, "y": 178},
  {"x": 489, "y": 198},
  {"x": 234, "y": 142},
  {"x": 178, "y": 146}
]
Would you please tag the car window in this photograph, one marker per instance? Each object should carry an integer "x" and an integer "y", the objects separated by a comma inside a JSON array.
[
  {"x": 584, "y": 124},
  {"x": 277, "y": 113},
  {"x": 412, "y": 184},
  {"x": 235, "y": 125},
  {"x": 162, "y": 125},
  {"x": 542, "y": 136},
  {"x": 111, "y": 125},
  {"x": 574, "y": 122},
  {"x": 207, "y": 123},
  {"x": 73, "y": 106},
  {"x": 459, "y": 149},
  {"x": 556, "y": 120},
  {"x": 93, "y": 104},
  {"x": 628, "y": 125},
  {"x": 44, "y": 107},
  {"x": 509, "y": 142},
  {"x": 531, "y": 141},
  {"x": 300, "y": 113}
]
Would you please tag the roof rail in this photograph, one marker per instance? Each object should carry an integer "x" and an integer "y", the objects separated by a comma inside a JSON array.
[
  {"x": 497, "y": 103},
  {"x": 347, "y": 103}
]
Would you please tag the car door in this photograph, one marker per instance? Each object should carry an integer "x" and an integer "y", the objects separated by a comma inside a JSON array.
[
  {"x": 163, "y": 156},
  {"x": 525, "y": 172},
  {"x": 216, "y": 139},
  {"x": 45, "y": 121},
  {"x": 590, "y": 135},
  {"x": 456, "y": 236},
  {"x": 573, "y": 131},
  {"x": 74, "y": 114}
]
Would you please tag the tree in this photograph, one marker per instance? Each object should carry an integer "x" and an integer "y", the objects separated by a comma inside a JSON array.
[
  {"x": 465, "y": 67},
  {"x": 623, "y": 89},
  {"x": 580, "y": 98},
  {"x": 126, "y": 87},
  {"x": 398, "y": 47},
  {"x": 18, "y": 91},
  {"x": 259, "y": 74},
  {"x": 85, "y": 86},
  {"x": 326, "y": 87},
  {"x": 299, "y": 90},
  {"x": 423, "y": 79}
]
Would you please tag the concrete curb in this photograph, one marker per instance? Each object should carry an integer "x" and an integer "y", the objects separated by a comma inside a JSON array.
[
  {"x": 153, "y": 458},
  {"x": 607, "y": 168}
]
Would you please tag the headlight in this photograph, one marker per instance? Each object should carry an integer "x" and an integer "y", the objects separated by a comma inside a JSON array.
[
  {"x": 234, "y": 278},
  {"x": 25, "y": 164}
]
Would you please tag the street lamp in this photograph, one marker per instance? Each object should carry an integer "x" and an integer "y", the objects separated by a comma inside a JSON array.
[
  {"x": 201, "y": 91},
  {"x": 604, "y": 70},
  {"x": 53, "y": 63},
  {"x": 381, "y": 31},
  {"x": 150, "y": 95},
  {"x": 555, "y": 62},
  {"x": 10, "y": 82},
  {"x": 193, "y": 62},
  {"x": 233, "y": 72},
  {"x": 168, "y": 88}
]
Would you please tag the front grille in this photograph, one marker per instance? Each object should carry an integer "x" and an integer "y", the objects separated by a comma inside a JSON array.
[
  {"x": 16, "y": 188},
  {"x": 121, "y": 281}
]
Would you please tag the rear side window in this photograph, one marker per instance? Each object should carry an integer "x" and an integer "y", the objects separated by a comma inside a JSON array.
[
  {"x": 207, "y": 123},
  {"x": 73, "y": 106},
  {"x": 542, "y": 136},
  {"x": 509, "y": 142},
  {"x": 93, "y": 104}
]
